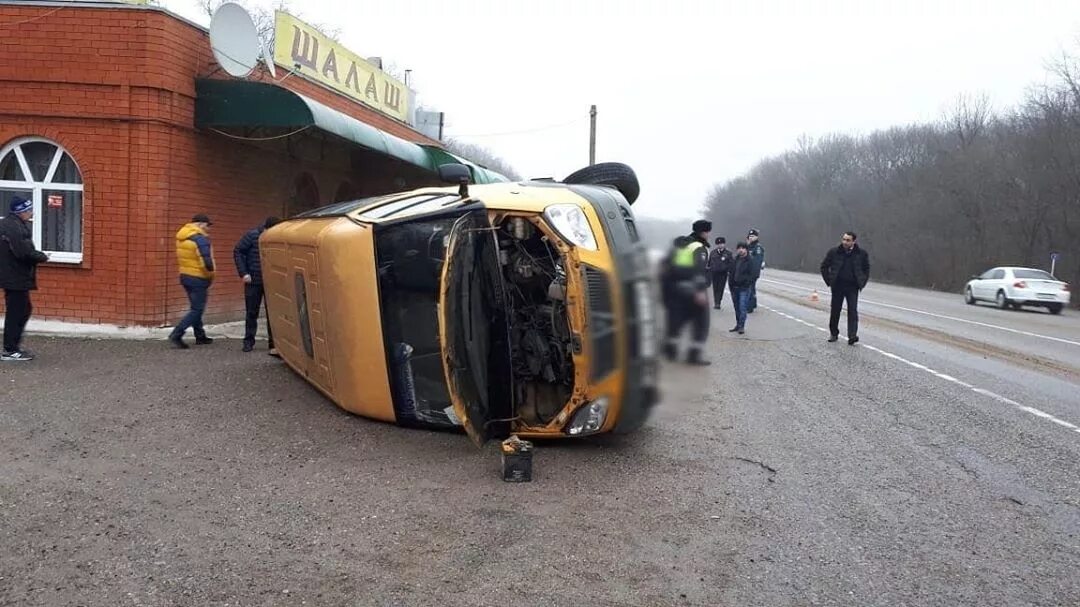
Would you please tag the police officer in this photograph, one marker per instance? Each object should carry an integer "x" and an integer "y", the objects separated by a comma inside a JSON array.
[
  {"x": 668, "y": 279},
  {"x": 757, "y": 255},
  {"x": 689, "y": 292},
  {"x": 721, "y": 263}
]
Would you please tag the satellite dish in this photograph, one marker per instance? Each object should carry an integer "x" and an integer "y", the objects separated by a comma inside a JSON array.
[
  {"x": 268, "y": 59},
  {"x": 234, "y": 40}
]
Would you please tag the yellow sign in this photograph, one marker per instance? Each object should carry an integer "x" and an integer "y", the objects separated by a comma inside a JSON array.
[{"x": 300, "y": 46}]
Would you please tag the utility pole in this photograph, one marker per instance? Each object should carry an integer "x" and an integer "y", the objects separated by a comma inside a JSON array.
[{"x": 592, "y": 135}]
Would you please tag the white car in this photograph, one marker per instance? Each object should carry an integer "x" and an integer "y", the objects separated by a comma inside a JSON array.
[{"x": 1018, "y": 287}]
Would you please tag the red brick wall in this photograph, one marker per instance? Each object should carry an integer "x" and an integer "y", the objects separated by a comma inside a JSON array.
[{"x": 116, "y": 87}]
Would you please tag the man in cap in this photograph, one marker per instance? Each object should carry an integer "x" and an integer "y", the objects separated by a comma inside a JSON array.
[
  {"x": 19, "y": 259},
  {"x": 757, "y": 255},
  {"x": 195, "y": 257},
  {"x": 720, "y": 264},
  {"x": 249, "y": 266},
  {"x": 690, "y": 299}
]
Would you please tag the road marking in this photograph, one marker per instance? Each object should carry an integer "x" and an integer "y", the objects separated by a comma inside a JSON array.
[
  {"x": 944, "y": 376},
  {"x": 942, "y": 316}
]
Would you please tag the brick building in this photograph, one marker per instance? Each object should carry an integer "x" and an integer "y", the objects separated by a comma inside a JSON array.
[{"x": 117, "y": 120}]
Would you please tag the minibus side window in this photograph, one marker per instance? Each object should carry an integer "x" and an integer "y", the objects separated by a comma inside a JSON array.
[{"x": 302, "y": 314}]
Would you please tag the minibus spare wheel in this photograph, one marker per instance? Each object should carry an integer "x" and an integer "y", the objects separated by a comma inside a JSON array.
[{"x": 613, "y": 174}]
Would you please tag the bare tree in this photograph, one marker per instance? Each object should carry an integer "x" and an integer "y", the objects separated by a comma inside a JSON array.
[
  {"x": 483, "y": 157},
  {"x": 265, "y": 20},
  {"x": 970, "y": 118},
  {"x": 937, "y": 201}
]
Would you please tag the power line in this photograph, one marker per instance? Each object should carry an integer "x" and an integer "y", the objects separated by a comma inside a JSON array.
[{"x": 531, "y": 130}]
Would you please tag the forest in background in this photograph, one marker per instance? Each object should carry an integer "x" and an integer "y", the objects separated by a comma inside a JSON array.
[{"x": 933, "y": 203}]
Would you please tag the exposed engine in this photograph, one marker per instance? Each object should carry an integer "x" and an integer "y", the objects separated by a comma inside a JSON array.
[{"x": 540, "y": 337}]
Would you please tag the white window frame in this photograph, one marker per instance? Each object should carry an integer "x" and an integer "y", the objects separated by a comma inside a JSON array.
[{"x": 38, "y": 187}]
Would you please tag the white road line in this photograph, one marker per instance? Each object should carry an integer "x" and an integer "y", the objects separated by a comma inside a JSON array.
[
  {"x": 948, "y": 378},
  {"x": 941, "y": 316}
]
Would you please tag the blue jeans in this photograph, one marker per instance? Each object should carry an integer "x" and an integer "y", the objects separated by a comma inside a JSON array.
[
  {"x": 740, "y": 299},
  {"x": 197, "y": 291}
]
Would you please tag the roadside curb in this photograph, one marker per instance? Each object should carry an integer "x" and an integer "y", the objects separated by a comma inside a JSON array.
[{"x": 53, "y": 328}]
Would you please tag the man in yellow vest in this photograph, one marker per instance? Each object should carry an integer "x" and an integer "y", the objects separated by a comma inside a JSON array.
[
  {"x": 689, "y": 292},
  {"x": 195, "y": 257}
]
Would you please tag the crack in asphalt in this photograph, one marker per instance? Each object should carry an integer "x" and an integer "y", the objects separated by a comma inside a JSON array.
[
  {"x": 754, "y": 461},
  {"x": 966, "y": 468}
]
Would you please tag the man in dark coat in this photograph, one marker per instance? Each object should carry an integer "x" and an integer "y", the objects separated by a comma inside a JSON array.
[
  {"x": 249, "y": 267},
  {"x": 689, "y": 292},
  {"x": 743, "y": 276},
  {"x": 845, "y": 270},
  {"x": 720, "y": 264},
  {"x": 19, "y": 259}
]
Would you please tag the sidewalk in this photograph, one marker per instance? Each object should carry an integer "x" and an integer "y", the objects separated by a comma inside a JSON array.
[{"x": 54, "y": 328}]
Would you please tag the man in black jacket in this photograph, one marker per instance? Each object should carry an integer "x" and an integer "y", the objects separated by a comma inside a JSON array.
[
  {"x": 746, "y": 271},
  {"x": 19, "y": 259},
  {"x": 249, "y": 266},
  {"x": 720, "y": 262},
  {"x": 845, "y": 270}
]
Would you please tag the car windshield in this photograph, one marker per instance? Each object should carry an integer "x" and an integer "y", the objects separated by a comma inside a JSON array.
[{"x": 1033, "y": 275}]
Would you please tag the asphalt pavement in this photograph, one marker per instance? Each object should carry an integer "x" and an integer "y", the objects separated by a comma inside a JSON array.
[
  {"x": 1032, "y": 333},
  {"x": 911, "y": 469}
]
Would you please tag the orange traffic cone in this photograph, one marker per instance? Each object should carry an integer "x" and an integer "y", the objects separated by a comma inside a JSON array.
[{"x": 814, "y": 296}]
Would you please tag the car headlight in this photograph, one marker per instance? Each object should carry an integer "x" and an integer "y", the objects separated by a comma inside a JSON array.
[
  {"x": 572, "y": 224},
  {"x": 589, "y": 419}
]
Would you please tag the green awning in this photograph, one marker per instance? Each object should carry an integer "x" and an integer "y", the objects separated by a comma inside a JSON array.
[
  {"x": 479, "y": 173},
  {"x": 242, "y": 103}
]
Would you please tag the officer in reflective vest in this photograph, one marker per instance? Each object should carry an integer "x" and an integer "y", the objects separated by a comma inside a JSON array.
[{"x": 689, "y": 280}]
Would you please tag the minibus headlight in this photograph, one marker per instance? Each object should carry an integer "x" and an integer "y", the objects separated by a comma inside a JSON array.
[
  {"x": 572, "y": 224},
  {"x": 589, "y": 419}
]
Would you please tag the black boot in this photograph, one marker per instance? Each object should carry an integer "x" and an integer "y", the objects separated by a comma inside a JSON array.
[
  {"x": 670, "y": 351},
  {"x": 694, "y": 358}
]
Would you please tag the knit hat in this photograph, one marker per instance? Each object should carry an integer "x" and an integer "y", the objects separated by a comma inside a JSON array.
[
  {"x": 21, "y": 205},
  {"x": 201, "y": 218},
  {"x": 702, "y": 225}
]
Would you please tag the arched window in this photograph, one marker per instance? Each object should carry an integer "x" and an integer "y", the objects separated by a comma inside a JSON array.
[
  {"x": 44, "y": 172},
  {"x": 305, "y": 196},
  {"x": 345, "y": 192}
]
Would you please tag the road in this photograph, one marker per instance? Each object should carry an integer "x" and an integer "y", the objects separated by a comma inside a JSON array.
[
  {"x": 912, "y": 469},
  {"x": 1031, "y": 333}
]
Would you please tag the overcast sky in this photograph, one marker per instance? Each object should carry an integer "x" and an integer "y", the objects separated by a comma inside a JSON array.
[{"x": 691, "y": 93}]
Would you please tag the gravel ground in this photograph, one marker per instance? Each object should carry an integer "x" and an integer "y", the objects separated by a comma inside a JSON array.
[{"x": 786, "y": 474}]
